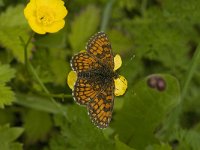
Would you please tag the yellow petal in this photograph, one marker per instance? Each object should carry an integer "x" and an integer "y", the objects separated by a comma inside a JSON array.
[
  {"x": 55, "y": 27},
  {"x": 83, "y": 51},
  {"x": 57, "y": 6},
  {"x": 117, "y": 62},
  {"x": 71, "y": 79},
  {"x": 61, "y": 11},
  {"x": 45, "y": 15},
  {"x": 35, "y": 26},
  {"x": 30, "y": 9},
  {"x": 48, "y": 2},
  {"x": 120, "y": 85}
]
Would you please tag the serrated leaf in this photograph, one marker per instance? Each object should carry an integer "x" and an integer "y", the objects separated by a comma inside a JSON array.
[
  {"x": 83, "y": 27},
  {"x": 144, "y": 108},
  {"x": 6, "y": 73},
  {"x": 187, "y": 139},
  {"x": 32, "y": 124},
  {"x": 79, "y": 132},
  {"x": 181, "y": 10},
  {"x": 10, "y": 20},
  {"x": 7, "y": 137},
  {"x": 6, "y": 96},
  {"x": 12, "y": 28},
  {"x": 8, "y": 134}
]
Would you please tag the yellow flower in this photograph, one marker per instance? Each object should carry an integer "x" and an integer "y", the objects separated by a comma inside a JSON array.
[
  {"x": 45, "y": 15},
  {"x": 120, "y": 83}
]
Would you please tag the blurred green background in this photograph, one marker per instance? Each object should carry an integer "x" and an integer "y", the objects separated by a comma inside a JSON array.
[{"x": 159, "y": 37}]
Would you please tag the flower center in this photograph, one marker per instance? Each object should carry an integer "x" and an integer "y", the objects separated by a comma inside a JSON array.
[{"x": 45, "y": 15}]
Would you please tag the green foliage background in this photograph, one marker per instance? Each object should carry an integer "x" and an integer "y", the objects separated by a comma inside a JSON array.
[{"x": 159, "y": 37}]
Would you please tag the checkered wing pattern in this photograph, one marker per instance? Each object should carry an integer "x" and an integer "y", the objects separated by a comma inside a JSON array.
[
  {"x": 100, "y": 108},
  {"x": 84, "y": 90},
  {"x": 100, "y": 47},
  {"x": 83, "y": 62}
]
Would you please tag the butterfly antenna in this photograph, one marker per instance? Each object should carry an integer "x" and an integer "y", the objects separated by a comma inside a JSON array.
[{"x": 128, "y": 62}]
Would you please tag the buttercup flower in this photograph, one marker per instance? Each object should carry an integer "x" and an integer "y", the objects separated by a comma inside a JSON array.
[
  {"x": 45, "y": 15},
  {"x": 120, "y": 83}
]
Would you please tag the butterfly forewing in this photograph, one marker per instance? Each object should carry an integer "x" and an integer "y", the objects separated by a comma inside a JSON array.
[
  {"x": 100, "y": 47},
  {"x": 83, "y": 62}
]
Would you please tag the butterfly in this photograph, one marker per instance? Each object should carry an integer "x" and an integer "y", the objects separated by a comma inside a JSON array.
[{"x": 94, "y": 87}]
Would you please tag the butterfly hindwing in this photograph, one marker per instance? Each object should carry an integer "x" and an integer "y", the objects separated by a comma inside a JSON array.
[
  {"x": 100, "y": 107},
  {"x": 84, "y": 90}
]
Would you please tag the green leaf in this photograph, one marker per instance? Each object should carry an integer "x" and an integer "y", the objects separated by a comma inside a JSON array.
[
  {"x": 12, "y": 27},
  {"x": 59, "y": 73},
  {"x": 128, "y": 4},
  {"x": 56, "y": 143},
  {"x": 121, "y": 146},
  {"x": 144, "y": 109},
  {"x": 187, "y": 139},
  {"x": 6, "y": 96},
  {"x": 1, "y": 3},
  {"x": 120, "y": 43},
  {"x": 83, "y": 27},
  {"x": 181, "y": 10},
  {"x": 162, "y": 146},
  {"x": 38, "y": 103},
  {"x": 6, "y": 73},
  {"x": 37, "y": 125},
  {"x": 55, "y": 41},
  {"x": 79, "y": 132},
  {"x": 6, "y": 116},
  {"x": 16, "y": 146},
  {"x": 8, "y": 136}
]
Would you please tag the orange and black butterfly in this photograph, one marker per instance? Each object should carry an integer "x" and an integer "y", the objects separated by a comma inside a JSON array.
[{"x": 95, "y": 86}]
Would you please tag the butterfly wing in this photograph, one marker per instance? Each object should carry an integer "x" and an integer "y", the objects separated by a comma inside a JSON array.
[
  {"x": 85, "y": 90},
  {"x": 100, "y": 107},
  {"x": 91, "y": 91},
  {"x": 83, "y": 62},
  {"x": 100, "y": 47}
]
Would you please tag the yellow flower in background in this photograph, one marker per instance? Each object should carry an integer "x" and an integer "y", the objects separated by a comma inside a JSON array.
[
  {"x": 45, "y": 15},
  {"x": 120, "y": 83},
  {"x": 71, "y": 79}
]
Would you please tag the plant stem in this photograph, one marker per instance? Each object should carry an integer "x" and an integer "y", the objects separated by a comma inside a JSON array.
[
  {"x": 62, "y": 96},
  {"x": 106, "y": 15},
  {"x": 143, "y": 7},
  {"x": 191, "y": 71},
  {"x": 35, "y": 75}
]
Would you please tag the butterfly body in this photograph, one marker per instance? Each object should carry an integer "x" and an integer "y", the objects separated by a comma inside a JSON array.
[{"x": 94, "y": 87}]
